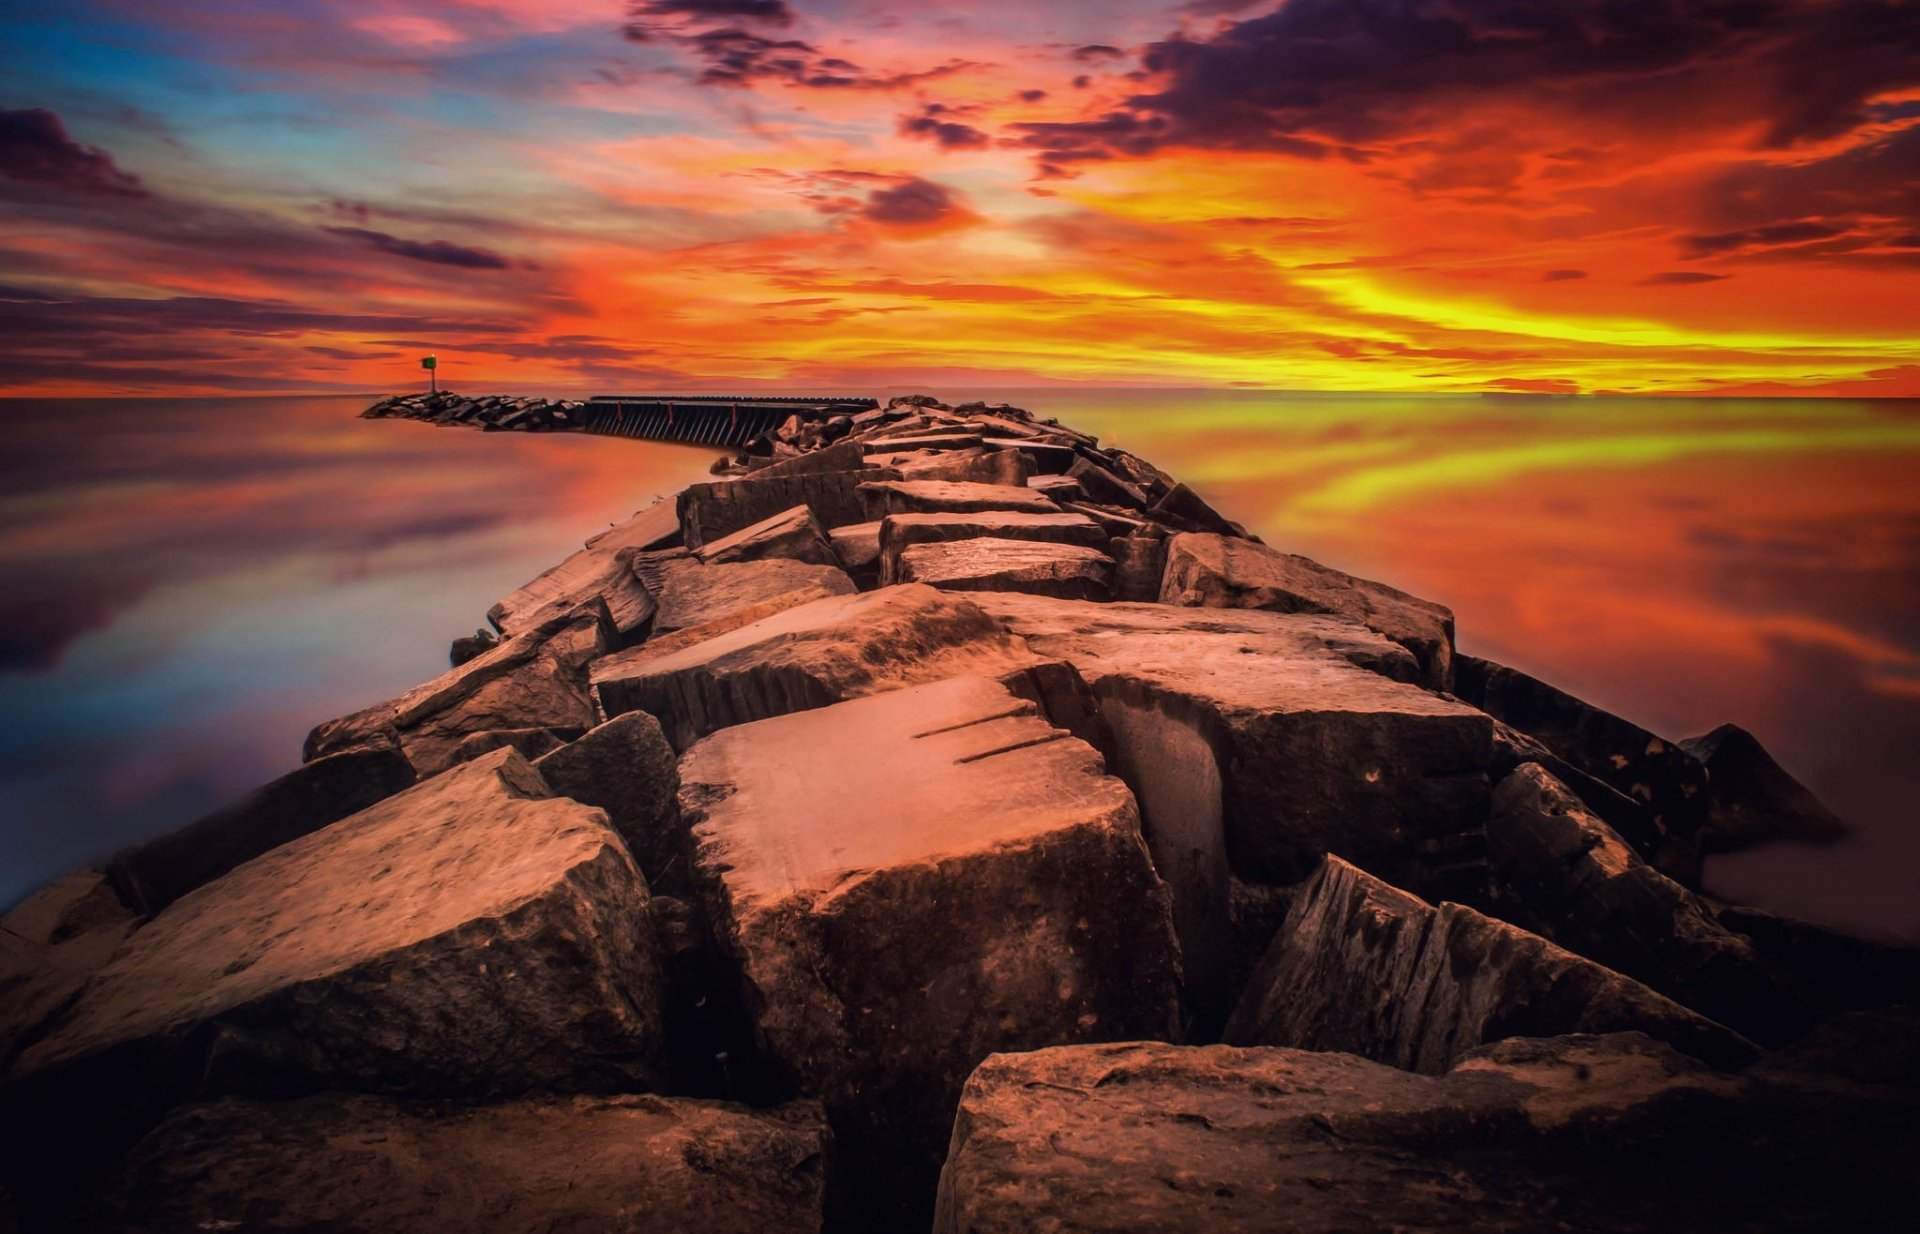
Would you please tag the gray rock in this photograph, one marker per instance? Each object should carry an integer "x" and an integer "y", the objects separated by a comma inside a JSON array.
[
  {"x": 1752, "y": 799},
  {"x": 1064, "y": 571},
  {"x": 1223, "y": 571},
  {"x": 150, "y": 876},
  {"x": 970, "y": 881},
  {"x": 795, "y": 535},
  {"x": 688, "y": 593},
  {"x": 626, "y": 768},
  {"x": 901, "y": 531},
  {"x": 1364, "y": 968},
  {"x": 368, "y": 1165},
  {"x": 881, "y": 498}
]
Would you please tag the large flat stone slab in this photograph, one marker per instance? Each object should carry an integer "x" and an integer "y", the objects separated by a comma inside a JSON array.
[
  {"x": 689, "y": 592},
  {"x": 626, "y": 768},
  {"x": 1224, "y": 571},
  {"x": 150, "y": 876},
  {"x": 966, "y": 879},
  {"x": 901, "y": 531},
  {"x": 1257, "y": 742},
  {"x": 1582, "y": 1135},
  {"x": 714, "y": 510},
  {"x": 882, "y": 498},
  {"x": 1063, "y": 571},
  {"x": 368, "y": 1165},
  {"x": 793, "y": 534},
  {"x": 1561, "y": 871},
  {"x": 537, "y": 679},
  {"x": 814, "y": 655},
  {"x": 1364, "y": 968},
  {"x": 1670, "y": 783},
  {"x": 469, "y": 936},
  {"x": 598, "y": 570}
]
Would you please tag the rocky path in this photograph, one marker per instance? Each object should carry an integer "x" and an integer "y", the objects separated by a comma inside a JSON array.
[{"x": 938, "y": 821}]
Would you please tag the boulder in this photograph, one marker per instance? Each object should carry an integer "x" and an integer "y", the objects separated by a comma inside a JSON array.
[
  {"x": 1046, "y": 457},
  {"x": 1103, "y": 486},
  {"x": 656, "y": 527},
  {"x": 1064, "y": 571},
  {"x": 1364, "y": 968},
  {"x": 1582, "y": 1135},
  {"x": 1060, "y": 488},
  {"x": 1560, "y": 871},
  {"x": 1139, "y": 562},
  {"x": 970, "y": 881},
  {"x": 1258, "y": 742},
  {"x": 976, "y": 466},
  {"x": 688, "y": 592},
  {"x": 1183, "y": 508},
  {"x": 470, "y": 936},
  {"x": 858, "y": 548},
  {"x": 820, "y": 653},
  {"x": 957, "y": 439},
  {"x": 1753, "y": 800},
  {"x": 626, "y": 768},
  {"x": 1668, "y": 781},
  {"x": 794, "y": 534},
  {"x": 1223, "y": 571},
  {"x": 471, "y": 647},
  {"x": 150, "y": 876},
  {"x": 369, "y": 1165},
  {"x": 716, "y": 509},
  {"x": 537, "y": 679},
  {"x": 883, "y": 497},
  {"x": 530, "y": 742},
  {"x": 900, "y": 531},
  {"x": 587, "y": 576},
  {"x": 50, "y": 944},
  {"x": 843, "y": 456}
]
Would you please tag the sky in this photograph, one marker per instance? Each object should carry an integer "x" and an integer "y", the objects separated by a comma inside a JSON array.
[{"x": 1524, "y": 196}]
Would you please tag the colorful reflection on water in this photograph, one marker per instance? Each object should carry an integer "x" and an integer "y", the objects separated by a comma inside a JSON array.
[{"x": 190, "y": 585}]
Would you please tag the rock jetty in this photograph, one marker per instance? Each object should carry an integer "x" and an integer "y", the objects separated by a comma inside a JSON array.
[{"x": 941, "y": 822}]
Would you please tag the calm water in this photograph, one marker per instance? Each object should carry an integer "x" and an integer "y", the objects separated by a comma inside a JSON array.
[{"x": 187, "y": 586}]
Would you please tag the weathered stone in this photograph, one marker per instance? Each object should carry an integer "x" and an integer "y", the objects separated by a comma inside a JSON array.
[
  {"x": 150, "y": 876},
  {"x": 949, "y": 497},
  {"x": 977, "y": 466},
  {"x": 899, "y": 531},
  {"x": 1223, "y": 571},
  {"x": 1752, "y": 799},
  {"x": 858, "y": 547},
  {"x": 1102, "y": 485},
  {"x": 1671, "y": 783},
  {"x": 1059, "y": 488},
  {"x": 1257, "y": 742},
  {"x": 1139, "y": 562},
  {"x": 690, "y": 593},
  {"x": 1139, "y": 473},
  {"x": 794, "y": 534},
  {"x": 471, "y": 647},
  {"x": 1064, "y": 571},
  {"x": 1117, "y": 521},
  {"x": 1560, "y": 871},
  {"x": 1839, "y": 972},
  {"x": 50, "y": 944},
  {"x": 626, "y": 768},
  {"x": 1183, "y": 507},
  {"x": 1364, "y": 968},
  {"x": 959, "y": 439},
  {"x": 470, "y": 936},
  {"x": 1046, "y": 457},
  {"x": 845, "y": 456},
  {"x": 588, "y": 575},
  {"x": 534, "y": 680},
  {"x": 368, "y": 1165},
  {"x": 970, "y": 881},
  {"x": 530, "y": 742},
  {"x": 1582, "y": 1135},
  {"x": 656, "y": 527},
  {"x": 812, "y": 656},
  {"x": 719, "y": 508}
]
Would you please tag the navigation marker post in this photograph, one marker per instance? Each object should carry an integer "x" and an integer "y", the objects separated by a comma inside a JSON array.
[{"x": 431, "y": 363}]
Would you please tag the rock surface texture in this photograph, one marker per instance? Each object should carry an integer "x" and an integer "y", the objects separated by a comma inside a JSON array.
[{"x": 906, "y": 813}]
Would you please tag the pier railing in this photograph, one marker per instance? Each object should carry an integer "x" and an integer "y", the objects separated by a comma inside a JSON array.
[{"x": 706, "y": 419}]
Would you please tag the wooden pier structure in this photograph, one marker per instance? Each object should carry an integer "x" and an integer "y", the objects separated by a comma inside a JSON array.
[{"x": 706, "y": 419}]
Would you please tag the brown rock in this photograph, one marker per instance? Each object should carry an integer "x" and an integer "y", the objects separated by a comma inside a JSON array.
[
  {"x": 1046, "y": 457},
  {"x": 817, "y": 654},
  {"x": 588, "y": 576},
  {"x": 1560, "y": 871},
  {"x": 1752, "y": 799},
  {"x": 842, "y": 456},
  {"x": 958, "y": 439},
  {"x": 1364, "y": 968},
  {"x": 1583, "y": 1135},
  {"x": 1223, "y": 571},
  {"x": 469, "y": 936},
  {"x": 1058, "y": 488},
  {"x": 1183, "y": 508},
  {"x": 1668, "y": 781},
  {"x": 1257, "y": 742},
  {"x": 150, "y": 876},
  {"x": 367, "y": 1165},
  {"x": 690, "y": 593},
  {"x": 977, "y": 466},
  {"x": 882, "y": 498},
  {"x": 1103, "y": 486},
  {"x": 1063, "y": 571},
  {"x": 719, "y": 508},
  {"x": 471, "y": 647},
  {"x": 656, "y": 527},
  {"x": 900, "y": 531},
  {"x": 793, "y": 534},
  {"x": 530, "y": 742},
  {"x": 858, "y": 548},
  {"x": 50, "y": 944},
  {"x": 626, "y": 768},
  {"x": 971, "y": 881},
  {"x": 537, "y": 679},
  {"x": 1139, "y": 562}
]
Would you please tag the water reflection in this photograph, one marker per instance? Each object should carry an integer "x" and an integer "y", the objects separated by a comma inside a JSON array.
[{"x": 190, "y": 585}]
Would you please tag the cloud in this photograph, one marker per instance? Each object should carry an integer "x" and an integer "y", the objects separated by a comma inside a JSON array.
[
  {"x": 768, "y": 12},
  {"x": 1799, "y": 232},
  {"x": 1681, "y": 278},
  {"x": 733, "y": 55},
  {"x": 1562, "y": 276},
  {"x": 35, "y": 147},
  {"x": 911, "y": 203},
  {"x": 438, "y": 252},
  {"x": 930, "y": 123}
]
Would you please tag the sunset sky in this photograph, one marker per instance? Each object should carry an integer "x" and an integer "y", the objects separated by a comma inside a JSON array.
[{"x": 1551, "y": 196}]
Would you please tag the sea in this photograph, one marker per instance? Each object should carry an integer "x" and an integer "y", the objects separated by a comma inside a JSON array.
[{"x": 188, "y": 585}]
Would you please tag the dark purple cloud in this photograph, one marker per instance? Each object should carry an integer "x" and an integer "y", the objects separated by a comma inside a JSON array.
[
  {"x": 934, "y": 123},
  {"x": 911, "y": 203},
  {"x": 1681, "y": 278},
  {"x": 1092, "y": 52},
  {"x": 1561, "y": 276},
  {"x": 766, "y": 12},
  {"x": 716, "y": 34},
  {"x": 438, "y": 252},
  {"x": 1800, "y": 231},
  {"x": 35, "y": 147}
]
